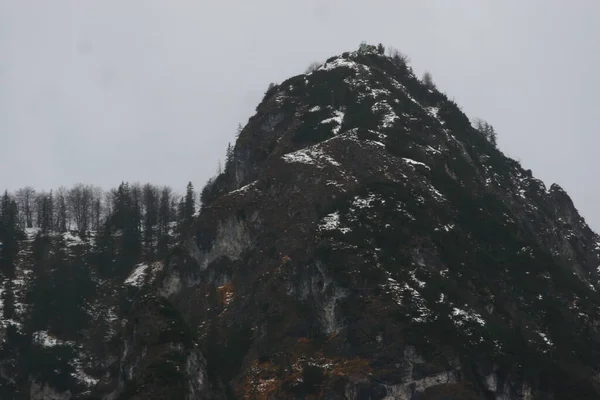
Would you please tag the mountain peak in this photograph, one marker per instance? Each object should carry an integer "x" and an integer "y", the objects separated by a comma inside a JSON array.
[{"x": 378, "y": 226}]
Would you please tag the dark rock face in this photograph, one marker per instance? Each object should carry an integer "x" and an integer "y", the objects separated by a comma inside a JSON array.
[
  {"x": 160, "y": 359},
  {"x": 368, "y": 242}
]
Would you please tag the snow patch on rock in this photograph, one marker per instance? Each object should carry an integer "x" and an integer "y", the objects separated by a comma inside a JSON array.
[
  {"x": 338, "y": 118},
  {"x": 138, "y": 276},
  {"x": 413, "y": 162},
  {"x": 44, "y": 339},
  {"x": 332, "y": 222},
  {"x": 313, "y": 155}
]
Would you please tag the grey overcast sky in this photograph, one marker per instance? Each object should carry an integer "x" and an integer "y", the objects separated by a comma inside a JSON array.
[{"x": 100, "y": 91}]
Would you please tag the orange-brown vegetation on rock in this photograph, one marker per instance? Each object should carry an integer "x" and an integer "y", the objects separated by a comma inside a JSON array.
[
  {"x": 285, "y": 259},
  {"x": 261, "y": 382},
  {"x": 352, "y": 367},
  {"x": 303, "y": 340},
  {"x": 225, "y": 293}
]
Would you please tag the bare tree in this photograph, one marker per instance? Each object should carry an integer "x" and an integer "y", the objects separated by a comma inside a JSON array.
[
  {"x": 39, "y": 204},
  {"x": 109, "y": 201},
  {"x": 313, "y": 67},
  {"x": 62, "y": 211},
  {"x": 79, "y": 200},
  {"x": 25, "y": 198},
  {"x": 97, "y": 195},
  {"x": 398, "y": 58}
]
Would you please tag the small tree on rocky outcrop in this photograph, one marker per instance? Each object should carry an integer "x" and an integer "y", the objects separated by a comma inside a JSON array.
[
  {"x": 187, "y": 209},
  {"x": 268, "y": 93},
  {"x": 398, "y": 58},
  {"x": 486, "y": 130},
  {"x": 428, "y": 80},
  {"x": 228, "y": 157}
]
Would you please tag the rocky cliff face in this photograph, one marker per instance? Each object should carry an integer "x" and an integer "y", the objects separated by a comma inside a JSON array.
[
  {"x": 367, "y": 242},
  {"x": 364, "y": 242}
]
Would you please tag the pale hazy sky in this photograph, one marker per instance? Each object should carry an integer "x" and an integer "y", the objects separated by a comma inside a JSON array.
[{"x": 100, "y": 91}]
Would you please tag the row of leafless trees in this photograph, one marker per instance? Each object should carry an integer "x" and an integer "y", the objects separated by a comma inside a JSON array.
[{"x": 86, "y": 207}]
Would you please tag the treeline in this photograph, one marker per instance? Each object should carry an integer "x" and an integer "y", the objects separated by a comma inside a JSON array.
[
  {"x": 146, "y": 218},
  {"x": 85, "y": 208},
  {"x": 122, "y": 227}
]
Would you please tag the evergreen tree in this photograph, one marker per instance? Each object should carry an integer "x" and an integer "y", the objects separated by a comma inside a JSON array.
[
  {"x": 428, "y": 80},
  {"x": 61, "y": 286},
  {"x": 174, "y": 213},
  {"x": 105, "y": 249},
  {"x": 72, "y": 286},
  {"x": 151, "y": 211},
  {"x": 126, "y": 221},
  {"x": 186, "y": 210},
  {"x": 136, "y": 208},
  {"x": 9, "y": 234},
  {"x": 180, "y": 212},
  {"x": 487, "y": 131},
  {"x": 45, "y": 211},
  {"x": 121, "y": 207},
  {"x": 190, "y": 203},
  {"x": 40, "y": 294},
  {"x": 228, "y": 157},
  {"x": 8, "y": 300},
  {"x": 164, "y": 219},
  {"x": 206, "y": 191}
]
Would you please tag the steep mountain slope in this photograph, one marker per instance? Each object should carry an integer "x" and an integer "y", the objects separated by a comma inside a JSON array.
[
  {"x": 363, "y": 242},
  {"x": 367, "y": 242},
  {"x": 70, "y": 317}
]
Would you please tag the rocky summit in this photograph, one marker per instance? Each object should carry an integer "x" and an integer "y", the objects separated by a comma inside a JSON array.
[{"x": 364, "y": 241}]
